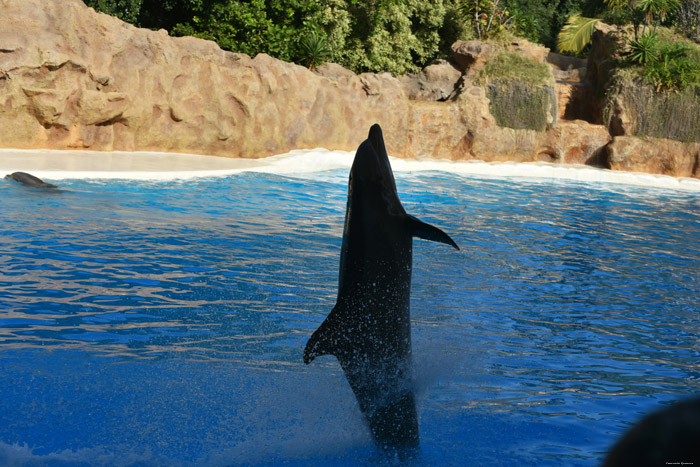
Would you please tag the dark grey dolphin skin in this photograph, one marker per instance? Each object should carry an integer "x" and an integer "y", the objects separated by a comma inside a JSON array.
[
  {"x": 369, "y": 329},
  {"x": 29, "y": 180},
  {"x": 666, "y": 437}
]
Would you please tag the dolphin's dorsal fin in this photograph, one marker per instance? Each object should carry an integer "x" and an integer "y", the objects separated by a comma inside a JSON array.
[
  {"x": 324, "y": 341},
  {"x": 420, "y": 229}
]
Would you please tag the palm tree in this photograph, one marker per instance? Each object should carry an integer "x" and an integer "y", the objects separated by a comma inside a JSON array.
[
  {"x": 577, "y": 31},
  {"x": 657, "y": 9},
  {"x": 314, "y": 50}
]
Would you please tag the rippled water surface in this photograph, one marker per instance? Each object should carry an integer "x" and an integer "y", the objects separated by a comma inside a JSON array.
[{"x": 163, "y": 323}]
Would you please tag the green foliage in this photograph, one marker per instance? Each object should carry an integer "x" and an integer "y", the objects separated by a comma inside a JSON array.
[
  {"x": 398, "y": 36},
  {"x": 486, "y": 16},
  {"x": 618, "y": 6},
  {"x": 667, "y": 64},
  {"x": 536, "y": 19},
  {"x": 644, "y": 49},
  {"x": 656, "y": 10},
  {"x": 577, "y": 31},
  {"x": 454, "y": 27},
  {"x": 254, "y": 26},
  {"x": 166, "y": 14},
  {"x": 675, "y": 66},
  {"x": 313, "y": 50},
  {"x": 380, "y": 35},
  {"x": 576, "y": 34},
  {"x": 126, "y": 10}
]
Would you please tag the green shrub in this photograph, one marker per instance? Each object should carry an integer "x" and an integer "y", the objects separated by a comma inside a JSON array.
[
  {"x": 486, "y": 16},
  {"x": 378, "y": 35},
  {"x": 398, "y": 36},
  {"x": 644, "y": 49},
  {"x": 125, "y": 10},
  {"x": 252, "y": 27},
  {"x": 674, "y": 66},
  {"x": 313, "y": 50},
  {"x": 663, "y": 60}
]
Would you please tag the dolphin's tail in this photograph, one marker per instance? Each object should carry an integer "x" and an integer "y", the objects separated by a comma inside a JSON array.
[{"x": 420, "y": 229}]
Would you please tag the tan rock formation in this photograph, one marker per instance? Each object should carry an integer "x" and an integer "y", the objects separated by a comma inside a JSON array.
[
  {"x": 74, "y": 78},
  {"x": 653, "y": 155},
  {"x": 438, "y": 82},
  {"x": 471, "y": 56},
  {"x": 575, "y": 93},
  {"x": 529, "y": 50}
]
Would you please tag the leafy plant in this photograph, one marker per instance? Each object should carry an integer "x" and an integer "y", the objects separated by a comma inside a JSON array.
[
  {"x": 126, "y": 10},
  {"x": 674, "y": 68},
  {"x": 655, "y": 11},
  {"x": 398, "y": 36},
  {"x": 540, "y": 20},
  {"x": 313, "y": 50},
  {"x": 576, "y": 33},
  {"x": 487, "y": 16},
  {"x": 643, "y": 50},
  {"x": 253, "y": 26}
]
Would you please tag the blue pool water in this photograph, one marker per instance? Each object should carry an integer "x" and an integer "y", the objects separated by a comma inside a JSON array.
[{"x": 162, "y": 323}]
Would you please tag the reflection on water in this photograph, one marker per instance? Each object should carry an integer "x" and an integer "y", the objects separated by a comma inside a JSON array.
[
  {"x": 145, "y": 269},
  {"x": 570, "y": 311}
]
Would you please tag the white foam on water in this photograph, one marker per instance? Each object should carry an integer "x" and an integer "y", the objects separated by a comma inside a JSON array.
[
  {"x": 61, "y": 165},
  {"x": 268, "y": 418},
  {"x": 22, "y": 455}
]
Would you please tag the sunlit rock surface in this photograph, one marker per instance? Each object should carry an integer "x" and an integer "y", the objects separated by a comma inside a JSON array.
[
  {"x": 654, "y": 155},
  {"x": 71, "y": 78}
]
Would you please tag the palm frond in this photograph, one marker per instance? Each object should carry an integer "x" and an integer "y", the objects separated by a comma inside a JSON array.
[{"x": 576, "y": 33}]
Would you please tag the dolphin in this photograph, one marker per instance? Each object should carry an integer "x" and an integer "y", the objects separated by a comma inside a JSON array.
[
  {"x": 29, "y": 180},
  {"x": 369, "y": 329},
  {"x": 671, "y": 434}
]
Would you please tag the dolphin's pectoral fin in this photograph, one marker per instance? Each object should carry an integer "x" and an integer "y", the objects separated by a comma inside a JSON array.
[
  {"x": 322, "y": 342},
  {"x": 425, "y": 231}
]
